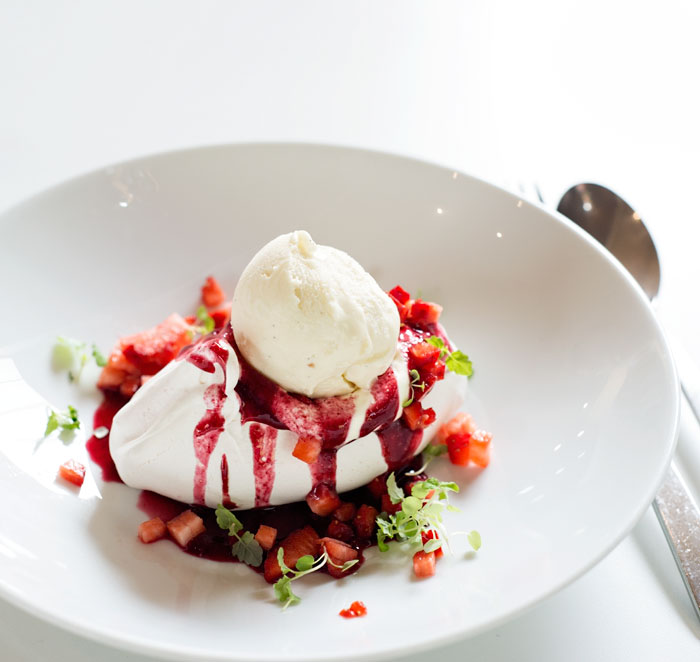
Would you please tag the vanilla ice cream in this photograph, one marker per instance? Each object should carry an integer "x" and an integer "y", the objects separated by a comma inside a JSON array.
[{"x": 310, "y": 318}]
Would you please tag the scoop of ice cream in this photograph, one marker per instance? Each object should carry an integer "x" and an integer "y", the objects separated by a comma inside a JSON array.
[{"x": 312, "y": 319}]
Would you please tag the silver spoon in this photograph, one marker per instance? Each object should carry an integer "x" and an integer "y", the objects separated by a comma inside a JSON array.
[{"x": 619, "y": 228}]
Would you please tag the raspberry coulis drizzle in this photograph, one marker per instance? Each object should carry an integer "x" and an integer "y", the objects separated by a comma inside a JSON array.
[{"x": 268, "y": 408}]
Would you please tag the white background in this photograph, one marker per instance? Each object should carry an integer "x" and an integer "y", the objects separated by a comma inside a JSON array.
[{"x": 553, "y": 92}]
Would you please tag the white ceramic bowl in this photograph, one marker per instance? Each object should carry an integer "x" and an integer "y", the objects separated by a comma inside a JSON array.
[{"x": 573, "y": 377}]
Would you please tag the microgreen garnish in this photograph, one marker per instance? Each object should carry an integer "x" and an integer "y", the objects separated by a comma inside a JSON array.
[
  {"x": 305, "y": 565},
  {"x": 421, "y": 512},
  {"x": 415, "y": 377},
  {"x": 430, "y": 452},
  {"x": 474, "y": 538},
  {"x": 457, "y": 361},
  {"x": 66, "y": 420},
  {"x": 72, "y": 355},
  {"x": 205, "y": 322},
  {"x": 246, "y": 548}
]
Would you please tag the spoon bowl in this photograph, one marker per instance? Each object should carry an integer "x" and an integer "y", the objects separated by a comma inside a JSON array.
[{"x": 608, "y": 218}]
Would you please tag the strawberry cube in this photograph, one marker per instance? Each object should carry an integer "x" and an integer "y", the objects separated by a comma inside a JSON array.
[
  {"x": 152, "y": 530},
  {"x": 340, "y": 531},
  {"x": 424, "y": 564},
  {"x": 345, "y": 512},
  {"x": 72, "y": 472},
  {"x": 213, "y": 294},
  {"x": 461, "y": 423},
  {"x": 323, "y": 500},
  {"x": 185, "y": 527},
  {"x": 418, "y": 418},
  {"x": 298, "y": 543},
  {"x": 400, "y": 294},
  {"x": 339, "y": 553},
  {"x": 266, "y": 536},
  {"x": 307, "y": 449},
  {"x": 458, "y": 448},
  {"x": 365, "y": 521},
  {"x": 423, "y": 313},
  {"x": 151, "y": 350},
  {"x": 423, "y": 354},
  {"x": 480, "y": 448}
]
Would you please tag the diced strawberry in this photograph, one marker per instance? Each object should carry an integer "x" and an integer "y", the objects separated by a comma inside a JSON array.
[
  {"x": 388, "y": 507},
  {"x": 377, "y": 486},
  {"x": 298, "y": 543},
  {"x": 418, "y": 418},
  {"x": 307, "y": 449},
  {"x": 461, "y": 423},
  {"x": 266, "y": 536},
  {"x": 458, "y": 448},
  {"x": 355, "y": 610},
  {"x": 345, "y": 512},
  {"x": 365, "y": 521},
  {"x": 340, "y": 531},
  {"x": 185, "y": 526},
  {"x": 339, "y": 553},
  {"x": 403, "y": 310},
  {"x": 73, "y": 472},
  {"x": 400, "y": 294},
  {"x": 429, "y": 535},
  {"x": 221, "y": 316},
  {"x": 423, "y": 313},
  {"x": 152, "y": 530},
  {"x": 423, "y": 353},
  {"x": 424, "y": 564},
  {"x": 152, "y": 350},
  {"x": 480, "y": 448},
  {"x": 323, "y": 500},
  {"x": 213, "y": 294}
]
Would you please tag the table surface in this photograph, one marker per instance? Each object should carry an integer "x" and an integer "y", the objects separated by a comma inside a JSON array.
[{"x": 552, "y": 92}]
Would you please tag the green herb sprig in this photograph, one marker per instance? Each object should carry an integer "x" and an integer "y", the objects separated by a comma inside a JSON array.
[
  {"x": 246, "y": 548},
  {"x": 421, "y": 511},
  {"x": 415, "y": 383},
  {"x": 66, "y": 420},
  {"x": 457, "y": 361},
  {"x": 304, "y": 566}
]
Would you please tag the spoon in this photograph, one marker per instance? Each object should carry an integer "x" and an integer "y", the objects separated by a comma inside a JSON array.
[{"x": 607, "y": 217}]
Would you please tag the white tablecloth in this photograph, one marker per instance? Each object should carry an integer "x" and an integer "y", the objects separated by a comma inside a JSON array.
[{"x": 553, "y": 92}]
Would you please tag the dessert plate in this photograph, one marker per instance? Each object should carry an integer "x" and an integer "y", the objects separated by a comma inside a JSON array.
[{"x": 572, "y": 375}]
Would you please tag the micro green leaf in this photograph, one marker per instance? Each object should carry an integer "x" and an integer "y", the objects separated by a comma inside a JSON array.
[
  {"x": 305, "y": 563},
  {"x": 66, "y": 420},
  {"x": 284, "y": 593},
  {"x": 459, "y": 363},
  {"x": 51, "y": 423},
  {"x": 411, "y": 505},
  {"x": 395, "y": 492},
  {"x": 474, "y": 538},
  {"x": 227, "y": 520},
  {"x": 248, "y": 550},
  {"x": 99, "y": 357}
]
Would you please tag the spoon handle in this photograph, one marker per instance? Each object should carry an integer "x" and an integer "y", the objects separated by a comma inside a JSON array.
[{"x": 680, "y": 520}]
